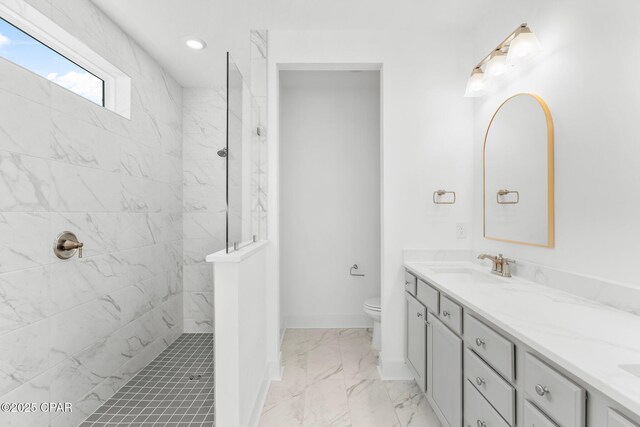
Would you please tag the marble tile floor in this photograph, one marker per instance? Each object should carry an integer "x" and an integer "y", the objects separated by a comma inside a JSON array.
[
  {"x": 174, "y": 390},
  {"x": 331, "y": 379}
]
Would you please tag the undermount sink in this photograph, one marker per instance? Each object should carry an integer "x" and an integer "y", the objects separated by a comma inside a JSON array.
[
  {"x": 465, "y": 274},
  {"x": 632, "y": 369},
  {"x": 453, "y": 270}
]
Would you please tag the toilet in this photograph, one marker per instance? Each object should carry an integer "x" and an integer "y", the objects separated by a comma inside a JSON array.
[{"x": 372, "y": 307}]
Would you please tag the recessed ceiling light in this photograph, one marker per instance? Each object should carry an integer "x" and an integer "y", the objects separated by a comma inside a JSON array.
[{"x": 196, "y": 44}]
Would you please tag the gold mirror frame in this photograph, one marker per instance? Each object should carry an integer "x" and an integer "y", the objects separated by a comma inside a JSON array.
[{"x": 550, "y": 176}]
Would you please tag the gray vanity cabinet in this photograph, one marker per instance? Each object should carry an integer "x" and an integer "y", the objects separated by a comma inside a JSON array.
[
  {"x": 445, "y": 360},
  {"x": 614, "y": 419},
  {"x": 499, "y": 381},
  {"x": 416, "y": 341}
]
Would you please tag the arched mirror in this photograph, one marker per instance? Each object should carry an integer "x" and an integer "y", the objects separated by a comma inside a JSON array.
[{"x": 518, "y": 173}]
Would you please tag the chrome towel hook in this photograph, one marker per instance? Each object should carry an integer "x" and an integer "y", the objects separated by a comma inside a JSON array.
[{"x": 355, "y": 267}]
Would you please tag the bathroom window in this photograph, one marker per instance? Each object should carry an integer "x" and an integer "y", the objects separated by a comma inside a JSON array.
[{"x": 20, "y": 48}]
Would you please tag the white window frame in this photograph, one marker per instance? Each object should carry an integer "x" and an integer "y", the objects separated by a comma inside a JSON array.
[{"x": 117, "y": 85}]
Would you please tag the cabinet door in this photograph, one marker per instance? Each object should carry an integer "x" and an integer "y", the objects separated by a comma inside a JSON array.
[
  {"x": 446, "y": 370},
  {"x": 614, "y": 419},
  {"x": 416, "y": 341}
]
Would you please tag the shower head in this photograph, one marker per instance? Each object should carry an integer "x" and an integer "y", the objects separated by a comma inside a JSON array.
[{"x": 223, "y": 152}]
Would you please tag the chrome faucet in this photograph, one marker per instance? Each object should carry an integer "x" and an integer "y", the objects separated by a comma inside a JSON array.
[{"x": 501, "y": 266}]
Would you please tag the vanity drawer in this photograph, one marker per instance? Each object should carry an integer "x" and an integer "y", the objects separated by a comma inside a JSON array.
[
  {"x": 491, "y": 385},
  {"x": 534, "y": 418},
  {"x": 451, "y": 314},
  {"x": 428, "y": 296},
  {"x": 498, "y": 351},
  {"x": 614, "y": 419},
  {"x": 410, "y": 283},
  {"x": 557, "y": 396},
  {"x": 477, "y": 411}
]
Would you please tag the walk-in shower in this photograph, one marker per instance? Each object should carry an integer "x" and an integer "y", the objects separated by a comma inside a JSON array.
[
  {"x": 178, "y": 385},
  {"x": 106, "y": 301}
]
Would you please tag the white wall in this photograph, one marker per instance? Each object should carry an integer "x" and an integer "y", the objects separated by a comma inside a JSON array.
[
  {"x": 77, "y": 330},
  {"x": 330, "y": 196},
  {"x": 426, "y": 145},
  {"x": 588, "y": 76}
]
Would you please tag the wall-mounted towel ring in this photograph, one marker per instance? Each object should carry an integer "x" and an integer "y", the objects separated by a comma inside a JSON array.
[
  {"x": 504, "y": 192},
  {"x": 439, "y": 193},
  {"x": 355, "y": 267}
]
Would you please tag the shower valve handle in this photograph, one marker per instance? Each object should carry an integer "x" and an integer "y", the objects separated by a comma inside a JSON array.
[{"x": 66, "y": 246}]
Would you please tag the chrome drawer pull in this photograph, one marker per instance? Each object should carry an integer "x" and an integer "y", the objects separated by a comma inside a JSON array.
[
  {"x": 419, "y": 314},
  {"x": 541, "y": 390},
  {"x": 481, "y": 423},
  {"x": 479, "y": 342},
  {"x": 479, "y": 381},
  {"x": 446, "y": 313}
]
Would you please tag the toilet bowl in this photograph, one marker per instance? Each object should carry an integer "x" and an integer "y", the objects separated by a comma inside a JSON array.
[{"x": 372, "y": 307}]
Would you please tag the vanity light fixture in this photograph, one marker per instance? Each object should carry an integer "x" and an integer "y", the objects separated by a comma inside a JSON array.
[
  {"x": 523, "y": 47},
  {"x": 195, "y": 44},
  {"x": 477, "y": 84},
  {"x": 520, "y": 46},
  {"x": 497, "y": 64}
]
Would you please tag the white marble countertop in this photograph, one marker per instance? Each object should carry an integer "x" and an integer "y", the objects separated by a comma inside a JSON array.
[{"x": 588, "y": 339}]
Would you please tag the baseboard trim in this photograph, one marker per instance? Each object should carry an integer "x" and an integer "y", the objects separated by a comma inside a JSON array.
[
  {"x": 395, "y": 370},
  {"x": 328, "y": 321},
  {"x": 275, "y": 369},
  {"x": 254, "y": 420}
]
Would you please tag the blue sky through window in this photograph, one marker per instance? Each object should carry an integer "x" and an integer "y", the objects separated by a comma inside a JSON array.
[{"x": 22, "y": 49}]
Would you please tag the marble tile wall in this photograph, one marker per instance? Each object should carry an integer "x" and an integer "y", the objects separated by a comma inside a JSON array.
[
  {"x": 75, "y": 331},
  {"x": 204, "y": 214},
  {"x": 259, "y": 50}
]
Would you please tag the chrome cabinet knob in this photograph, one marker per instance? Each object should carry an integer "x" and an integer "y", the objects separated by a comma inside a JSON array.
[
  {"x": 481, "y": 423},
  {"x": 445, "y": 313},
  {"x": 407, "y": 283},
  {"x": 479, "y": 380},
  {"x": 541, "y": 390},
  {"x": 419, "y": 314},
  {"x": 479, "y": 342}
]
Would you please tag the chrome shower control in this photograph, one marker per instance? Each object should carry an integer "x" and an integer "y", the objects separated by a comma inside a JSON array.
[{"x": 66, "y": 245}]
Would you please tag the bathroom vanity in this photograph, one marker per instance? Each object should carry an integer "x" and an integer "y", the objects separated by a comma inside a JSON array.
[{"x": 490, "y": 351}]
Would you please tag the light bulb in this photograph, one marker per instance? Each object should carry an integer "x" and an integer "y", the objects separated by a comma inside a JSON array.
[
  {"x": 523, "y": 47},
  {"x": 497, "y": 65},
  {"x": 476, "y": 85},
  {"x": 196, "y": 44}
]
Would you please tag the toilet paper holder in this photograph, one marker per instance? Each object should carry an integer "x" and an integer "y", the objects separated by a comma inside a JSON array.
[{"x": 355, "y": 267}]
